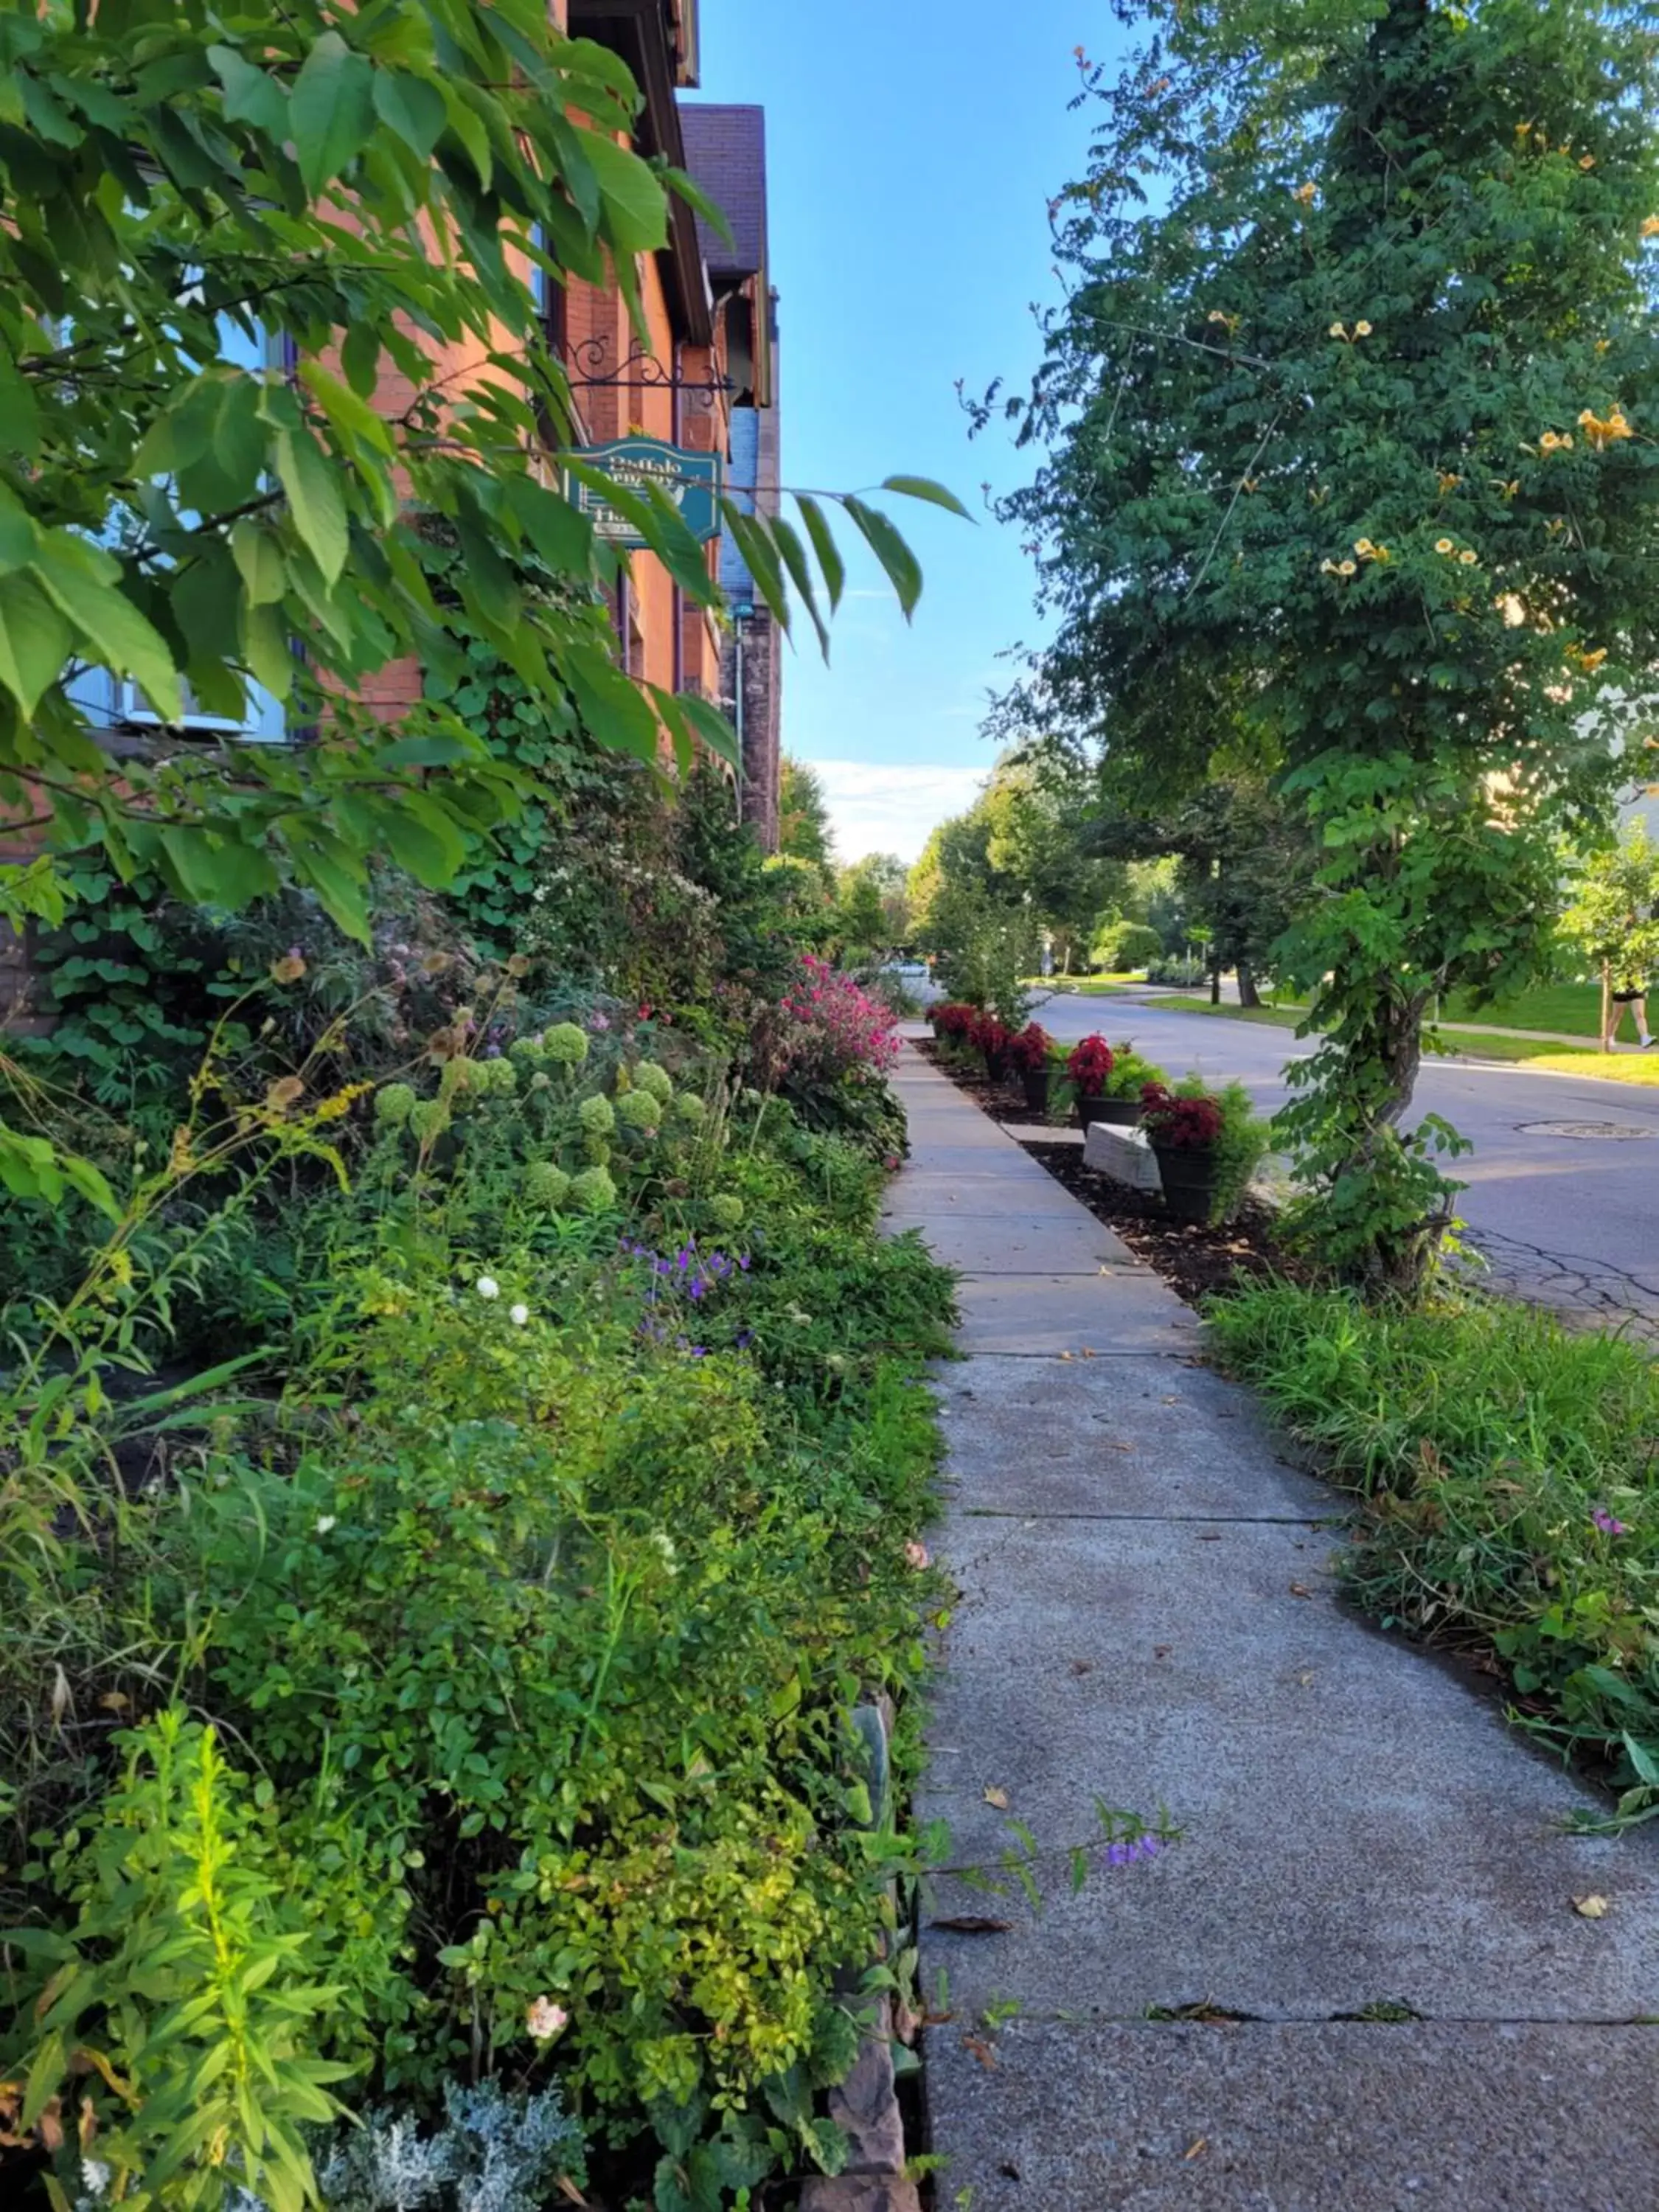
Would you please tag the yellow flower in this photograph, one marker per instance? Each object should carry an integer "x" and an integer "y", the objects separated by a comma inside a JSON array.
[
  {"x": 1347, "y": 567},
  {"x": 1362, "y": 330},
  {"x": 1215, "y": 315},
  {"x": 1590, "y": 662},
  {"x": 1522, "y": 129},
  {"x": 1589, "y": 162},
  {"x": 1447, "y": 482},
  {"x": 1469, "y": 558},
  {"x": 1306, "y": 193},
  {"x": 1339, "y": 330},
  {"x": 1548, "y": 443},
  {"x": 1444, "y": 545},
  {"x": 1651, "y": 226},
  {"x": 1363, "y": 547},
  {"x": 1566, "y": 442},
  {"x": 1328, "y": 569}
]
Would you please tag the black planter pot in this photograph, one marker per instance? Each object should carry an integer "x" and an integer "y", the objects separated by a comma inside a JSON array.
[
  {"x": 1038, "y": 1082},
  {"x": 1189, "y": 1177},
  {"x": 1119, "y": 1113},
  {"x": 996, "y": 1066}
]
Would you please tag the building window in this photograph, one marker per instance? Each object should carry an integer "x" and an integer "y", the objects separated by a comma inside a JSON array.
[{"x": 113, "y": 702}]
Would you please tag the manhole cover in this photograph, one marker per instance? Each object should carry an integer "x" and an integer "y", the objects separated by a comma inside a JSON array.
[{"x": 1614, "y": 1133}]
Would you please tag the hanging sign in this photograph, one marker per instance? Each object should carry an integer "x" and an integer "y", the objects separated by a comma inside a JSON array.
[{"x": 693, "y": 481}]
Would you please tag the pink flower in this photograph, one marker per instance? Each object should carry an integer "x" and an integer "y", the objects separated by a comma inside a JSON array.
[
  {"x": 546, "y": 2019},
  {"x": 917, "y": 1555}
]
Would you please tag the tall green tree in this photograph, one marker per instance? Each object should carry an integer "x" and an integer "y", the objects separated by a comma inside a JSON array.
[
  {"x": 1351, "y": 400},
  {"x": 804, "y": 827}
]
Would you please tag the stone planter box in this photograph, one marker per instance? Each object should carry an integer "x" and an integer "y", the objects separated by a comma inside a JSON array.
[{"x": 1124, "y": 1154}]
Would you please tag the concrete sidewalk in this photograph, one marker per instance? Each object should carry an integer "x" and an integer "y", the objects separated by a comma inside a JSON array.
[{"x": 1374, "y": 1885}]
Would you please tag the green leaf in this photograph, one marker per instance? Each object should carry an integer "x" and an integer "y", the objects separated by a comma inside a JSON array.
[
  {"x": 259, "y": 557},
  {"x": 74, "y": 574},
  {"x": 561, "y": 534},
  {"x": 712, "y": 726},
  {"x": 761, "y": 559},
  {"x": 266, "y": 644},
  {"x": 833, "y": 566},
  {"x": 410, "y": 108},
  {"x": 688, "y": 190},
  {"x": 902, "y": 568},
  {"x": 34, "y": 641},
  {"x": 350, "y": 414},
  {"x": 313, "y": 498},
  {"x": 424, "y": 841},
  {"x": 250, "y": 96},
  {"x": 633, "y": 197},
  {"x": 614, "y": 710},
  {"x": 800, "y": 575},
  {"x": 924, "y": 488},
  {"x": 330, "y": 110}
]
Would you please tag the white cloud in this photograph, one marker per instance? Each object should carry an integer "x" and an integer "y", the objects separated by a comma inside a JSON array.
[{"x": 892, "y": 810}]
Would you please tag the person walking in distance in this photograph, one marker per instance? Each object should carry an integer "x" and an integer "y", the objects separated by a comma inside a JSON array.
[{"x": 1630, "y": 991}]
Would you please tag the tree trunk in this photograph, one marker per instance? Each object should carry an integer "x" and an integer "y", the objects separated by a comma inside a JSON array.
[
  {"x": 1248, "y": 994},
  {"x": 1606, "y": 1005},
  {"x": 1215, "y": 984}
]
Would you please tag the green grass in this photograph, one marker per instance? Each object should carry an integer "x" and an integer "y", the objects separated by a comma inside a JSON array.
[
  {"x": 1487, "y": 1439},
  {"x": 1571, "y": 1009},
  {"x": 1086, "y": 987}
]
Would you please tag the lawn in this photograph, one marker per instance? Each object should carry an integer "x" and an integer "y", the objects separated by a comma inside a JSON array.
[
  {"x": 1086, "y": 986},
  {"x": 1574, "y": 1009}
]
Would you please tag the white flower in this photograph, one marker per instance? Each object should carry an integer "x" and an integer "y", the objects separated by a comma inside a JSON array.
[
  {"x": 546, "y": 2019},
  {"x": 488, "y": 1287},
  {"x": 519, "y": 1315},
  {"x": 326, "y": 1522}
]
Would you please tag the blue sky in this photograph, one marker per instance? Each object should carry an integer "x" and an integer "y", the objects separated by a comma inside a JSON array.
[{"x": 912, "y": 147}]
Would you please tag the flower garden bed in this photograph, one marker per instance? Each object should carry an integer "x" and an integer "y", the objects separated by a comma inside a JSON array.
[{"x": 1196, "y": 1263}]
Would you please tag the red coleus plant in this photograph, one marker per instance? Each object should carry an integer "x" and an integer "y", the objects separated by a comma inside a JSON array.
[
  {"x": 1030, "y": 1050},
  {"x": 953, "y": 1019},
  {"x": 1192, "y": 1125},
  {"x": 991, "y": 1035},
  {"x": 1089, "y": 1066}
]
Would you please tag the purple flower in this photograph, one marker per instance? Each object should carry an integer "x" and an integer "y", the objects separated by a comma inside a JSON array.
[
  {"x": 1117, "y": 1854},
  {"x": 743, "y": 1338},
  {"x": 1605, "y": 1521},
  {"x": 744, "y": 1263}
]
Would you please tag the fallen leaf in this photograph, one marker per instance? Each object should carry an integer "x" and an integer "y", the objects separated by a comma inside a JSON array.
[
  {"x": 1590, "y": 1908},
  {"x": 1197, "y": 2149},
  {"x": 1083, "y": 1665},
  {"x": 1306, "y": 1681},
  {"x": 1112, "y": 1444},
  {"x": 1065, "y": 1355},
  {"x": 997, "y": 1797},
  {"x": 981, "y": 2051},
  {"x": 972, "y": 1924},
  {"x": 1209, "y": 1536},
  {"x": 1172, "y": 1401},
  {"x": 1162, "y": 1650},
  {"x": 1300, "y": 1589}
]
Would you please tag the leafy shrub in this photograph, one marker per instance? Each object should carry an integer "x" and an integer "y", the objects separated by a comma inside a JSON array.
[
  {"x": 1130, "y": 1073},
  {"x": 1122, "y": 945},
  {"x": 1507, "y": 1507}
]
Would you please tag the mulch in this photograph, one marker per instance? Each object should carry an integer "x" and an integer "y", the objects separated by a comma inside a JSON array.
[{"x": 1196, "y": 1263}]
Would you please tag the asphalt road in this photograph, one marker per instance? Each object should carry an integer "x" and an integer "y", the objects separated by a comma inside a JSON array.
[{"x": 1570, "y": 1220}]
